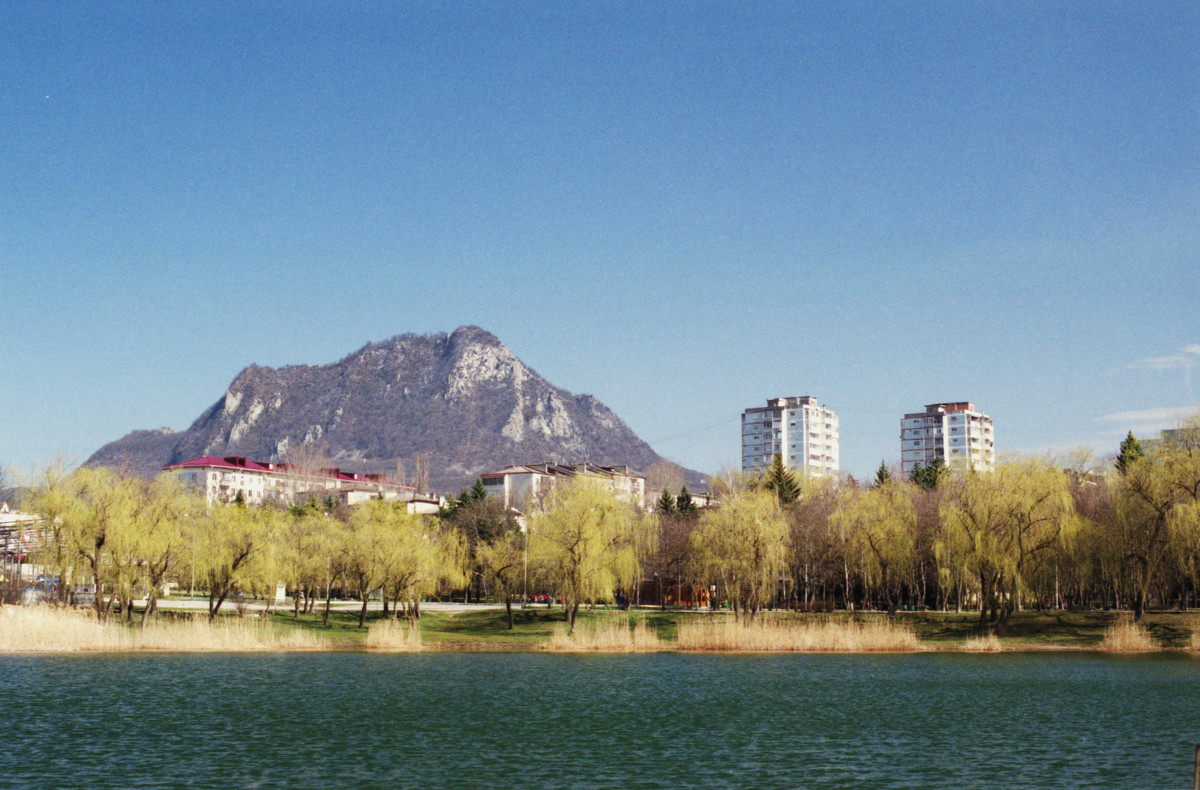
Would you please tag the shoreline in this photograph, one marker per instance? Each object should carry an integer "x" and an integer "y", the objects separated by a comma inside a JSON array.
[{"x": 484, "y": 629}]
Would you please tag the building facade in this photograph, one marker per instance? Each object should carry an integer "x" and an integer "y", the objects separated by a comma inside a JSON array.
[
  {"x": 221, "y": 479},
  {"x": 799, "y": 430},
  {"x": 954, "y": 432},
  {"x": 517, "y": 486}
]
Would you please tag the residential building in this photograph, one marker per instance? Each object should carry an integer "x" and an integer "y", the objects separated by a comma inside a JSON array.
[
  {"x": 799, "y": 430},
  {"x": 222, "y": 479},
  {"x": 516, "y": 486},
  {"x": 954, "y": 432},
  {"x": 1171, "y": 436}
]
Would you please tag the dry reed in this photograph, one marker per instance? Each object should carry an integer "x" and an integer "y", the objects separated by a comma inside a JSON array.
[
  {"x": 393, "y": 635},
  {"x": 824, "y": 636},
  {"x": 1126, "y": 636},
  {"x": 989, "y": 643},
  {"x": 610, "y": 636},
  {"x": 43, "y": 629}
]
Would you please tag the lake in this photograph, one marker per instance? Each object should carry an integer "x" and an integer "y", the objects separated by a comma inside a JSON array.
[{"x": 643, "y": 721}]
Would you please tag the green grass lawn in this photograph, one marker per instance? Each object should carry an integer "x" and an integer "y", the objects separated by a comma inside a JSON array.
[{"x": 487, "y": 629}]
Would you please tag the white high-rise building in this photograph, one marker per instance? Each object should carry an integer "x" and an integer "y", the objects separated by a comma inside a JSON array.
[
  {"x": 800, "y": 430},
  {"x": 953, "y": 432}
]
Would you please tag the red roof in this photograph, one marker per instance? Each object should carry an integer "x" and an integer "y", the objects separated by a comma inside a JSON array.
[
  {"x": 238, "y": 462},
  {"x": 228, "y": 462}
]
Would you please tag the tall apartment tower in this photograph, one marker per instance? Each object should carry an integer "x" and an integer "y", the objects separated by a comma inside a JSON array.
[
  {"x": 800, "y": 430},
  {"x": 953, "y": 432}
]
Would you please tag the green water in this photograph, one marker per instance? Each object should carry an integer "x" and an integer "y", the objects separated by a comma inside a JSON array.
[{"x": 529, "y": 720}]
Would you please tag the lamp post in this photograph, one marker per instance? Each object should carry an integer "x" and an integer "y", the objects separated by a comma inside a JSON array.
[{"x": 525, "y": 588}]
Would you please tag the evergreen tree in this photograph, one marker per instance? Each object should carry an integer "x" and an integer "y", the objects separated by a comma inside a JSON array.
[
  {"x": 782, "y": 481},
  {"x": 666, "y": 503},
  {"x": 240, "y": 499},
  {"x": 684, "y": 504},
  {"x": 478, "y": 491},
  {"x": 1131, "y": 452},
  {"x": 882, "y": 474},
  {"x": 928, "y": 477}
]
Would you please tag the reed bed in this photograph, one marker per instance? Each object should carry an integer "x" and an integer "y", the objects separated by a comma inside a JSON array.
[
  {"x": 824, "y": 636},
  {"x": 609, "y": 636},
  {"x": 1126, "y": 636},
  {"x": 43, "y": 629},
  {"x": 393, "y": 636},
  {"x": 989, "y": 643}
]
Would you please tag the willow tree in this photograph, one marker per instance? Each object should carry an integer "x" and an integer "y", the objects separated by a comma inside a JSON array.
[
  {"x": 583, "y": 541},
  {"x": 52, "y": 498},
  {"x": 741, "y": 545},
  {"x": 101, "y": 518},
  {"x": 158, "y": 535},
  {"x": 1156, "y": 502},
  {"x": 368, "y": 543},
  {"x": 1000, "y": 524},
  {"x": 305, "y": 555},
  {"x": 881, "y": 525},
  {"x": 228, "y": 540}
]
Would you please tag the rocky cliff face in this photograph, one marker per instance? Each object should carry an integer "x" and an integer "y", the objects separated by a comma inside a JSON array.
[{"x": 462, "y": 400}]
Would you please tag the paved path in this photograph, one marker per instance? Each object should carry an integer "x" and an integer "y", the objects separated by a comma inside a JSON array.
[{"x": 201, "y": 604}]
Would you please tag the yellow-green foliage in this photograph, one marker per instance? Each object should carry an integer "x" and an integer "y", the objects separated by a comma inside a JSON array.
[
  {"x": 609, "y": 635},
  {"x": 880, "y": 524},
  {"x": 742, "y": 546},
  {"x": 1126, "y": 636},
  {"x": 583, "y": 542},
  {"x": 825, "y": 636},
  {"x": 43, "y": 629},
  {"x": 998, "y": 524},
  {"x": 394, "y": 635}
]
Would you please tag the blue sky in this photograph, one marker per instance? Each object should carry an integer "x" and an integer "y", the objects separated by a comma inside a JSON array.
[{"x": 682, "y": 209}]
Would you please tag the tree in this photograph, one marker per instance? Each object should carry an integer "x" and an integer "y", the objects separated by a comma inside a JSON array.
[
  {"x": 159, "y": 532},
  {"x": 228, "y": 540},
  {"x": 366, "y": 551},
  {"x": 1130, "y": 453},
  {"x": 499, "y": 549},
  {"x": 741, "y": 545},
  {"x": 483, "y": 521},
  {"x": 1157, "y": 500},
  {"x": 816, "y": 555},
  {"x": 882, "y": 474},
  {"x": 930, "y": 477},
  {"x": 684, "y": 505},
  {"x": 881, "y": 523},
  {"x": 781, "y": 480},
  {"x": 666, "y": 503},
  {"x": 999, "y": 524},
  {"x": 583, "y": 542},
  {"x": 104, "y": 509}
]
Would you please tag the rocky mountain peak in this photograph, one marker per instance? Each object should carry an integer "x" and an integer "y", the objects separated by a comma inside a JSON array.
[{"x": 462, "y": 400}]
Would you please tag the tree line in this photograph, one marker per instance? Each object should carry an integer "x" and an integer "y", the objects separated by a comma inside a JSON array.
[{"x": 1034, "y": 532}]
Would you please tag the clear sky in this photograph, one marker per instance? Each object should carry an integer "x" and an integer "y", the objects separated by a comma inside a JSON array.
[{"x": 683, "y": 209}]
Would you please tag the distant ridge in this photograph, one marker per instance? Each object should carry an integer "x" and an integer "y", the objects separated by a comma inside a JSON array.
[{"x": 462, "y": 400}]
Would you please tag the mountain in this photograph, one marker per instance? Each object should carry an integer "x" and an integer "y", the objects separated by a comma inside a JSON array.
[{"x": 461, "y": 400}]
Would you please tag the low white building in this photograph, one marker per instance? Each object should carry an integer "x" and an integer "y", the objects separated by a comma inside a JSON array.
[
  {"x": 221, "y": 479},
  {"x": 516, "y": 486},
  {"x": 955, "y": 433}
]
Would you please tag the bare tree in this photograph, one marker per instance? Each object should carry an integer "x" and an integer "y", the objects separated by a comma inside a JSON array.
[{"x": 421, "y": 473}]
